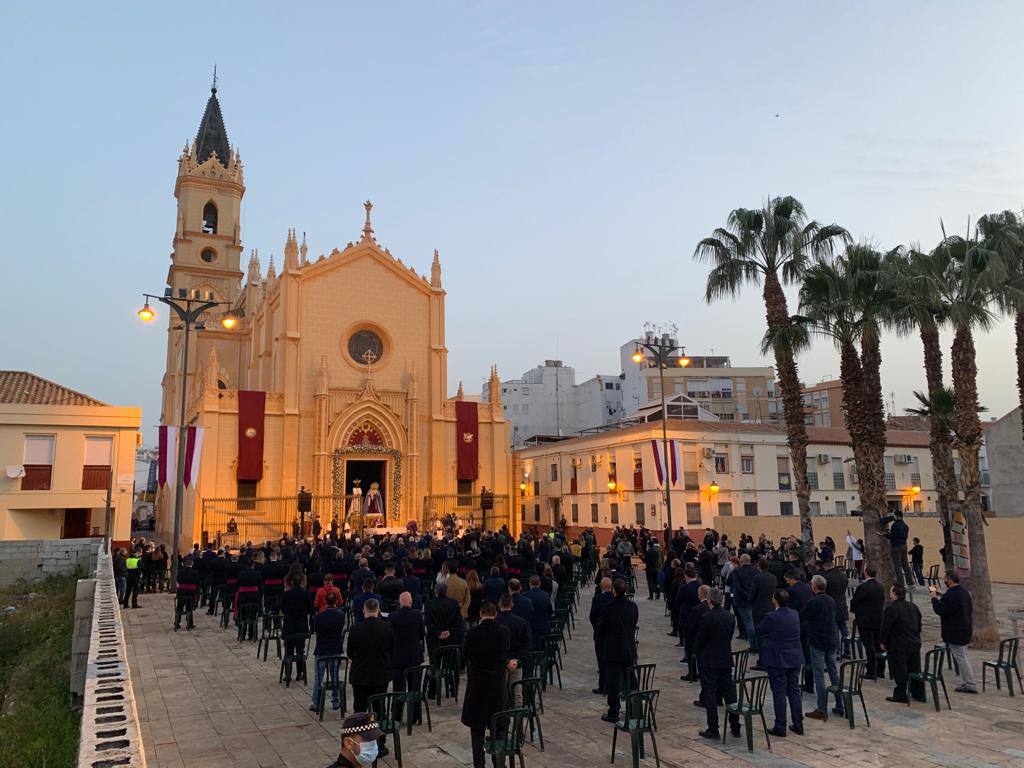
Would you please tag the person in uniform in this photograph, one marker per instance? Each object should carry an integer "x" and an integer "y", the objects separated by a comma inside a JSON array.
[
  {"x": 273, "y": 574},
  {"x": 359, "y": 734},
  {"x": 247, "y": 590},
  {"x": 186, "y": 595},
  {"x": 487, "y": 659},
  {"x": 133, "y": 576}
]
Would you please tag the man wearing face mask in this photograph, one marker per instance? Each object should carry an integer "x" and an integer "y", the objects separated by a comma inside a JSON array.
[{"x": 359, "y": 734}]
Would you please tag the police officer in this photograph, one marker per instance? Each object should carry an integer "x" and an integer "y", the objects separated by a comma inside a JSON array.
[{"x": 133, "y": 574}]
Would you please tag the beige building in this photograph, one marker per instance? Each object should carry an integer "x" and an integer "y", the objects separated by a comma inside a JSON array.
[
  {"x": 349, "y": 349},
  {"x": 60, "y": 451},
  {"x": 823, "y": 404},
  {"x": 724, "y": 469}
]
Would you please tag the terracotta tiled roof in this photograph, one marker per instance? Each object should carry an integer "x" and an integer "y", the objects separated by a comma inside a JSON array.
[
  {"x": 908, "y": 422},
  {"x": 24, "y": 388},
  {"x": 904, "y": 438}
]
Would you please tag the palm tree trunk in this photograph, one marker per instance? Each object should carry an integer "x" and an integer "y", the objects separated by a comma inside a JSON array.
[
  {"x": 869, "y": 461},
  {"x": 968, "y": 443},
  {"x": 1018, "y": 325},
  {"x": 792, "y": 408},
  {"x": 938, "y": 439}
]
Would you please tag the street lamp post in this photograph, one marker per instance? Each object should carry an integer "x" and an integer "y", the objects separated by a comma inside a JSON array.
[
  {"x": 189, "y": 306},
  {"x": 662, "y": 350}
]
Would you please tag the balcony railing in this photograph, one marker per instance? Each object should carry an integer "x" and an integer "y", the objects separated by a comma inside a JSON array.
[
  {"x": 37, "y": 477},
  {"x": 838, "y": 481},
  {"x": 890, "y": 481},
  {"x": 95, "y": 477}
]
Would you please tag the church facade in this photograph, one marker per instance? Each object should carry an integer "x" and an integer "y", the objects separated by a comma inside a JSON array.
[{"x": 312, "y": 390}]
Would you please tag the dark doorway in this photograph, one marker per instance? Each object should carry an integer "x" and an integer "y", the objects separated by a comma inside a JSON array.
[
  {"x": 367, "y": 472},
  {"x": 76, "y": 524}
]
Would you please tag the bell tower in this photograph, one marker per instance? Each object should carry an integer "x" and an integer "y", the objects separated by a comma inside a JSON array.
[{"x": 207, "y": 241}]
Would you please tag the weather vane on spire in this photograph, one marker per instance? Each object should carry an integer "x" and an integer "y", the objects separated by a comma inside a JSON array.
[{"x": 213, "y": 87}]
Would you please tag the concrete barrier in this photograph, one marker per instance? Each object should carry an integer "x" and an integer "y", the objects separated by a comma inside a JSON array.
[
  {"x": 35, "y": 559},
  {"x": 110, "y": 736}
]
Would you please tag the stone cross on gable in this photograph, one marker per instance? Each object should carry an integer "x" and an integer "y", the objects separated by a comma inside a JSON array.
[{"x": 370, "y": 358}]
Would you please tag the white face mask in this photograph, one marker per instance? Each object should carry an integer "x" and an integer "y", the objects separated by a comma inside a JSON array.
[{"x": 366, "y": 753}]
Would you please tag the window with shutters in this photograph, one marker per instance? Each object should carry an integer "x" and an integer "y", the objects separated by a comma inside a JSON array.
[
  {"x": 96, "y": 467},
  {"x": 38, "y": 462},
  {"x": 554, "y": 473},
  {"x": 575, "y": 513},
  {"x": 721, "y": 463},
  {"x": 747, "y": 465},
  {"x": 693, "y": 513},
  {"x": 785, "y": 483},
  {"x": 593, "y": 513},
  {"x": 615, "y": 513},
  {"x": 641, "y": 518},
  {"x": 786, "y": 508},
  {"x": 750, "y": 508},
  {"x": 536, "y": 513},
  {"x": 725, "y": 509},
  {"x": 246, "y": 493}
]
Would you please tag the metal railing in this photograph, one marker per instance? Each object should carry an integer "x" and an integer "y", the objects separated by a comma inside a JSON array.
[
  {"x": 490, "y": 511},
  {"x": 234, "y": 521},
  {"x": 812, "y": 480},
  {"x": 838, "y": 481},
  {"x": 915, "y": 479},
  {"x": 890, "y": 481}
]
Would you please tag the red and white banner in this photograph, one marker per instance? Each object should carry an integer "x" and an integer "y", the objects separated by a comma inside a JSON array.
[
  {"x": 167, "y": 455},
  {"x": 657, "y": 448},
  {"x": 251, "y": 411}
]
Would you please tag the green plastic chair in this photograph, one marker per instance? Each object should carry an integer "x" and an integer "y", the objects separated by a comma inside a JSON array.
[
  {"x": 416, "y": 693},
  {"x": 751, "y": 693},
  {"x": 506, "y": 737},
  {"x": 851, "y": 682},
  {"x": 299, "y": 644},
  {"x": 1008, "y": 650},
  {"x": 386, "y": 707},
  {"x": 445, "y": 664},
  {"x": 248, "y": 618},
  {"x": 271, "y": 632},
  {"x": 552, "y": 659},
  {"x": 533, "y": 664},
  {"x": 932, "y": 674},
  {"x": 638, "y": 720},
  {"x": 740, "y": 662},
  {"x": 639, "y": 677},
  {"x": 334, "y": 678},
  {"x": 530, "y": 690}
]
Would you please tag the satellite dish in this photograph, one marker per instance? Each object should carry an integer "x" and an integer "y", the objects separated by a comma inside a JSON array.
[{"x": 15, "y": 471}]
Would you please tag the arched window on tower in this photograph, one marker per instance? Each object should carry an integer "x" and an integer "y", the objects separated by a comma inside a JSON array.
[{"x": 210, "y": 219}]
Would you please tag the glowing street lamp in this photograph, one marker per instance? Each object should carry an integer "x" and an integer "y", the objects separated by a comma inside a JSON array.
[
  {"x": 612, "y": 485},
  {"x": 146, "y": 314},
  {"x": 713, "y": 488}
]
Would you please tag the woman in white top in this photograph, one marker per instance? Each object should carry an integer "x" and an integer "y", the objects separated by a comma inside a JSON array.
[{"x": 855, "y": 552}]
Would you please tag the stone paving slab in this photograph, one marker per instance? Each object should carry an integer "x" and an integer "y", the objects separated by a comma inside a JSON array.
[{"x": 206, "y": 700}]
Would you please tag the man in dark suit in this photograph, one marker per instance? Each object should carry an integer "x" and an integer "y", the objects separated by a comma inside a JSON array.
[
  {"x": 782, "y": 656},
  {"x": 713, "y": 647},
  {"x": 835, "y": 587},
  {"x": 330, "y": 631},
  {"x": 369, "y": 649},
  {"x": 407, "y": 623},
  {"x": 867, "y": 604},
  {"x": 956, "y": 614},
  {"x": 799, "y": 595},
  {"x": 443, "y": 620},
  {"x": 521, "y": 605},
  {"x": 519, "y": 641},
  {"x": 389, "y": 588},
  {"x": 692, "y": 625},
  {"x": 601, "y": 601},
  {"x": 742, "y": 586},
  {"x": 761, "y": 591},
  {"x": 541, "y": 602},
  {"x": 616, "y": 629},
  {"x": 487, "y": 662},
  {"x": 686, "y": 599},
  {"x": 900, "y": 636}
]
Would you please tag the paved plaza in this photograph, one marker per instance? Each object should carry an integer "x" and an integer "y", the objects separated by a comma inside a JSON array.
[{"x": 206, "y": 701}]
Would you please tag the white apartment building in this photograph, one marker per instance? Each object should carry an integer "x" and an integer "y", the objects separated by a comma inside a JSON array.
[
  {"x": 724, "y": 469},
  {"x": 745, "y": 394},
  {"x": 547, "y": 401}
]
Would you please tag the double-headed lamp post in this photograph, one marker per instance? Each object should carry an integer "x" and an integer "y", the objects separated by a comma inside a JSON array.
[
  {"x": 189, "y": 306},
  {"x": 663, "y": 352}
]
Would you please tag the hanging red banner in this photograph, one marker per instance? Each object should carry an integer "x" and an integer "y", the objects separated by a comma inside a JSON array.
[
  {"x": 251, "y": 409},
  {"x": 467, "y": 439}
]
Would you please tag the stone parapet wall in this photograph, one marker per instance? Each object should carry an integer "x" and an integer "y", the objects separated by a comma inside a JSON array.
[
  {"x": 34, "y": 560},
  {"x": 110, "y": 724}
]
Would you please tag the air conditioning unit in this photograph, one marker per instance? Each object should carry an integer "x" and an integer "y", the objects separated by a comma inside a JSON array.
[
  {"x": 824, "y": 458},
  {"x": 709, "y": 453},
  {"x": 903, "y": 458}
]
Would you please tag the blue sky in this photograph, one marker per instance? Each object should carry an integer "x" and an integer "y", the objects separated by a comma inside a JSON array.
[{"x": 564, "y": 158}]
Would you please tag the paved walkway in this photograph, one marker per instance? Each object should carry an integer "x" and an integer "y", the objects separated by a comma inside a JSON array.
[{"x": 205, "y": 701}]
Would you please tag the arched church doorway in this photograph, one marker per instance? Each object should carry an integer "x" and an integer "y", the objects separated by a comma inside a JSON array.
[{"x": 362, "y": 473}]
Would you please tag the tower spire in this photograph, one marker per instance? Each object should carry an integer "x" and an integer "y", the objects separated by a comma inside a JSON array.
[
  {"x": 212, "y": 136},
  {"x": 291, "y": 252},
  {"x": 435, "y": 271},
  {"x": 368, "y": 227},
  {"x": 303, "y": 250}
]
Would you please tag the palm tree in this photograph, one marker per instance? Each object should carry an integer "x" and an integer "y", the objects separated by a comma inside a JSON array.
[
  {"x": 939, "y": 407},
  {"x": 974, "y": 271},
  {"x": 769, "y": 246},
  {"x": 1005, "y": 233},
  {"x": 843, "y": 300},
  {"x": 915, "y": 306}
]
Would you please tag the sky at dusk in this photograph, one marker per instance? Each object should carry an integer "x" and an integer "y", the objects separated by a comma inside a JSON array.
[{"x": 564, "y": 158}]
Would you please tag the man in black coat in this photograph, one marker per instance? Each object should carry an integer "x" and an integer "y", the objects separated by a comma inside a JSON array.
[
  {"x": 389, "y": 588},
  {"x": 601, "y": 600},
  {"x": 692, "y": 625},
  {"x": 900, "y": 636},
  {"x": 867, "y": 604},
  {"x": 443, "y": 620},
  {"x": 370, "y": 643},
  {"x": 407, "y": 653},
  {"x": 487, "y": 661},
  {"x": 519, "y": 641},
  {"x": 956, "y": 614},
  {"x": 761, "y": 591},
  {"x": 835, "y": 587},
  {"x": 616, "y": 629},
  {"x": 713, "y": 648},
  {"x": 742, "y": 586},
  {"x": 330, "y": 632}
]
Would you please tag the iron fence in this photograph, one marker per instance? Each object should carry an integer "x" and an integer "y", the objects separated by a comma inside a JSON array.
[{"x": 490, "y": 511}]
